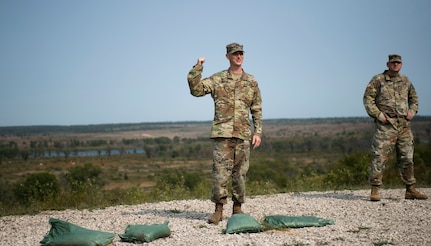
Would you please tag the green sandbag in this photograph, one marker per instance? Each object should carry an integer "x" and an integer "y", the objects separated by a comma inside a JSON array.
[
  {"x": 239, "y": 223},
  {"x": 281, "y": 221},
  {"x": 145, "y": 233},
  {"x": 63, "y": 233}
]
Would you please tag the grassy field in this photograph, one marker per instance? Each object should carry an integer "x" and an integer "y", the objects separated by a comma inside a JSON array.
[
  {"x": 141, "y": 170},
  {"x": 303, "y": 154}
]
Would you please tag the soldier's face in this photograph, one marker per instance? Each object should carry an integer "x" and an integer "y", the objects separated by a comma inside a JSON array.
[
  {"x": 394, "y": 66},
  {"x": 236, "y": 58}
]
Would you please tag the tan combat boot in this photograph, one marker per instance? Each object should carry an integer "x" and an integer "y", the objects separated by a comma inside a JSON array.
[
  {"x": 375, "y": 196},
  {"x": 218, "y": 214},
  {"x": 412, "y": 193},
  {"x": 237, "y": 208}
]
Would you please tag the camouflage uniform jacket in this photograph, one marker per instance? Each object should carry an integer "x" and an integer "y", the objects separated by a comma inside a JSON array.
[
  {"x": 233, "y": 102},
  {"x": 392, "y": 97}
]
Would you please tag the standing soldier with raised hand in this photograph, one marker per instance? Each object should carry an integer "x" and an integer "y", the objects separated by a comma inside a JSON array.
[
  {"x": 391, "y": 100},
  {"x": 236, "y": 94}
]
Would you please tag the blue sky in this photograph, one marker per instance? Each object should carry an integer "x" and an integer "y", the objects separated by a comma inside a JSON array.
[{"x": 93, "y": 62}]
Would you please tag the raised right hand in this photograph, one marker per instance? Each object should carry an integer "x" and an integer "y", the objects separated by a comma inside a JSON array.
[{"x": 201, "y": 60}]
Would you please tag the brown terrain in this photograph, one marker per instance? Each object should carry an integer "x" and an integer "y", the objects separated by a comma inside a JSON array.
[{"x": 140, "y": 170}]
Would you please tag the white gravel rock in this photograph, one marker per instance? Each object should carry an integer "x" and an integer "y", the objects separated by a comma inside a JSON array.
[{"x": 392, "y": 221}]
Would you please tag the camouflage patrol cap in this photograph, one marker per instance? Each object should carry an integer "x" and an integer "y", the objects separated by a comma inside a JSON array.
[
  {"x": 233, "y": 47},
  {"x": 395, "y": 58}
]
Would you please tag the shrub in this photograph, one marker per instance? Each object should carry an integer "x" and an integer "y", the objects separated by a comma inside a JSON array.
[
  {"x": 352, "y": 171},
  {"x": 180, "y": 178},
  {"x": 37, "y": 186},
  {"x": 79, "y": 178}
]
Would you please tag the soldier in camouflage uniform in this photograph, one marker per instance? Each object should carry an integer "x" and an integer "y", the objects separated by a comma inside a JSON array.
[
  {"x": 391, "y": 100},
  {"x": 236, "y": 94}
]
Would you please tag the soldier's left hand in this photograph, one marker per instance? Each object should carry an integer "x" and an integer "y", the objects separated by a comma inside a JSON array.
[
  {"x": 256, "y": 141},
  {"x": 409, "y": 116}
]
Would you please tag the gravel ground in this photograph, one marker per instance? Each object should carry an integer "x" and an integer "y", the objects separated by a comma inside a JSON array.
[{"x": 392, "y": 221}]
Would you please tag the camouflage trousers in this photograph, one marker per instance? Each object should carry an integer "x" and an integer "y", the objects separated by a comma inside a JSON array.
[
  {"x": 386, "y": 139},
  {"x": 230, "y": 159}
]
